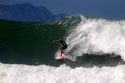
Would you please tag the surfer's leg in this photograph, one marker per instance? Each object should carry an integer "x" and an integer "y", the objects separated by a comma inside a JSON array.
[{"x": 61, "y": 51}]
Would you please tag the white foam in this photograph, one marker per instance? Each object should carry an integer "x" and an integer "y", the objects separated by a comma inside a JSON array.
[
  {"x": 96, "y": 36},
  {"x": 63, "y": 74}
]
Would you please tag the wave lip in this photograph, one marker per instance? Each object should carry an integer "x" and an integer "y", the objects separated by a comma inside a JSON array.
[{"x": 98, "y": 37}]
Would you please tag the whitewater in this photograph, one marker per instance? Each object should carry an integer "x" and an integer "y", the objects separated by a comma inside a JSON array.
[
  {"x": 62, "y": 74},
  {"x": 98, "y": 37},
  {"x": 92, "y": 36}
]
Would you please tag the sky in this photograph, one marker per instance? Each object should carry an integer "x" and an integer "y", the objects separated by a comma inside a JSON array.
[{"x": 111, "y": 9}]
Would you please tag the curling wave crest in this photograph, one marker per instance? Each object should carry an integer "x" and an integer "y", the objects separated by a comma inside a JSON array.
[{"x": 96, "y": 36}]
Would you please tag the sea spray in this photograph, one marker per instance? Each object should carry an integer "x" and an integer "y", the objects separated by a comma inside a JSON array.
[{"x": 98, "y": 37}]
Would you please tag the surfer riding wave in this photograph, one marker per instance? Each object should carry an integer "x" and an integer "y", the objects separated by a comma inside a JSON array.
[{"x": 64, "y": 45}]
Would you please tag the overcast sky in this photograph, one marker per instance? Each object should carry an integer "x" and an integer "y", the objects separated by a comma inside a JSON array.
[{"x": 112, "y": 9}]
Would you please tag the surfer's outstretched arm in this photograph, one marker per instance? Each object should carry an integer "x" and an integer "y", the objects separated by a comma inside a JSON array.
[{"x": 57, "y": 40}]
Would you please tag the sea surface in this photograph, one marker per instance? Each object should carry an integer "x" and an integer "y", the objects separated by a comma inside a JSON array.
[{"x": 95, "y": 53}]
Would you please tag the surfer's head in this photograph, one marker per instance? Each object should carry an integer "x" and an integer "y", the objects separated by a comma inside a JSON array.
[{"x": 60, "y": 39}]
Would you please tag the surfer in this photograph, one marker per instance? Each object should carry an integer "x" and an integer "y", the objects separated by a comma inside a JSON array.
[{"x": 64, "y": 45}]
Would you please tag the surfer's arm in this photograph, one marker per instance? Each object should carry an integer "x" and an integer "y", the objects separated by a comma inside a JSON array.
[{"x": 56, "y": 40}]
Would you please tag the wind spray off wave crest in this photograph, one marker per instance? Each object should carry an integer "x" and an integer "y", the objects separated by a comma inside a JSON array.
[{"x": 97, "y": 36}]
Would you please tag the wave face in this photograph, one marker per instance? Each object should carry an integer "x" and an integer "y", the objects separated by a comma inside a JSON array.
[
  {"x": 31, "y": 43},
  {"x": 97, "y": 37}
]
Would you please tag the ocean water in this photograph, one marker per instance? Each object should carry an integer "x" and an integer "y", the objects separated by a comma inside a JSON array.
[{"x": 95, "y": 53}]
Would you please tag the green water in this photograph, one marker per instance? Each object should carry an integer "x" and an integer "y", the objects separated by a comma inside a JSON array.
[{"x": 31, "y": 43}]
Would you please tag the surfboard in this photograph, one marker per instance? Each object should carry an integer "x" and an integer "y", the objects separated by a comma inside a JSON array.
[{"x": 60, "y": 57}]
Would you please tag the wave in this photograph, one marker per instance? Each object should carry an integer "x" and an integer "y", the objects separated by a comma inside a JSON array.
[
  {"x": 62, "y": 74},
  {"x": 95, "y": 52},
  {"x": 97, "y": 37},
  {"x": 100, "y": 40}
]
